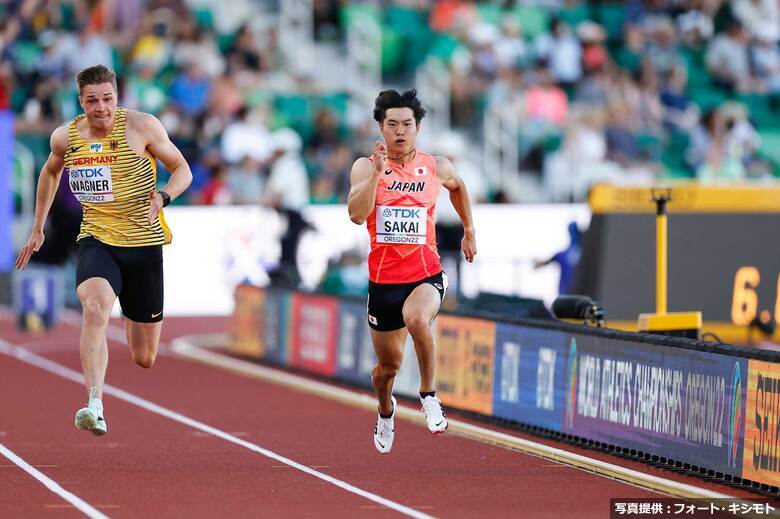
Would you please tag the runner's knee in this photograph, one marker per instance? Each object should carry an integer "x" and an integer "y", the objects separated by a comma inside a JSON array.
[
  {"x": 415, "y": 323},
  {"x": 96, "y": 312},
  {"x": 144, "y": 359},
  {"x": 389, "y": 369}
]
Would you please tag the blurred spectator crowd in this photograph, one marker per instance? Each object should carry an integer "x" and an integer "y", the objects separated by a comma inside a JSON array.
[
  {"x": 616, "y": 91},
  {"x": 625, "y": 91}
]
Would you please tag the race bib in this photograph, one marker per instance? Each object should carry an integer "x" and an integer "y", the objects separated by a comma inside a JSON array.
[
  {"x": 401, "y": 225},
  {"x": 91, "y": 184}
]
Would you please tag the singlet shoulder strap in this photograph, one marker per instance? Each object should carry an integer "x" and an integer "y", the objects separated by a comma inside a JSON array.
[
  {"x": 73, "y": 132},
  {"x": 120, "y": 124}
]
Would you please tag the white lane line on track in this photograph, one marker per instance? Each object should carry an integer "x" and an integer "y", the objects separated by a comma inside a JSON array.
[
  {"x": 196, "y": 348},
  {"x": 52, "y": 485},
  {"x": 69, "y": 374}
]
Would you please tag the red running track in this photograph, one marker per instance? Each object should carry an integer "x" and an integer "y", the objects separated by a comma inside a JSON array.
[{"x": 151, "y": 466}]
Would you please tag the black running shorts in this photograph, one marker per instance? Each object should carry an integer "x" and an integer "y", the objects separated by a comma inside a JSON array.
[
  {"x": 135, "y": 274},
  {"x": 386, "y": 301}
]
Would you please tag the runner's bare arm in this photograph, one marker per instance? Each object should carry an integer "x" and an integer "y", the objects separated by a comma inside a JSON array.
[
  {"x": 364, "y": 179},
  {"x": 160, "y": 146},
  {"x": 48, "y": 181},
  {"x": 459, "y": 197}
]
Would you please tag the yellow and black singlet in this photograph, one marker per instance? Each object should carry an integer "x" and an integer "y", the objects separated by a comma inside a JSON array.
[{"x": 113, "y": 183}]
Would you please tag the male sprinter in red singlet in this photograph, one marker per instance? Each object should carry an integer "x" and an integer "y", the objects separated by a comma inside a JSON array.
[
  {"x": 395, "y": 192},
  {"x": 109, "y": 155}
]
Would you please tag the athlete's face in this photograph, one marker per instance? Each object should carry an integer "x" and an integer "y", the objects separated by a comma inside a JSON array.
[
  {"x": 399, "y": 130},
  {"x": 99, "y": 104}
]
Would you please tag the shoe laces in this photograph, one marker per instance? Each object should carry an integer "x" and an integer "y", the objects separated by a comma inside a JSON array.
[
  {"x": 95, "y": 405},
  {"x": 432, "y": 407},
  {"x": 384, "y": 426}
]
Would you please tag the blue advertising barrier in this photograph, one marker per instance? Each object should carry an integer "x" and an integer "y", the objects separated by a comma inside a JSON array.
[
  {"x": 355, "y": 353},
  {"x": 678, "y": 403},
  {"x": 529, "y": 367},
  {"x": 674, "y": 398},
  {"x": 276, "y": 320}
]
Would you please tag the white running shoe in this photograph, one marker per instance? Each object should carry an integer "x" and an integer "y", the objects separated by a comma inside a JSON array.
[
  {"x": 434, "y": 416},
  {"x": 90, "y": 418},
  {"x": 384, "y": 431}
]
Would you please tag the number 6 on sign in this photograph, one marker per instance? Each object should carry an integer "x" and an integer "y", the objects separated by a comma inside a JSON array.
[{"x": 745, "y": 301}]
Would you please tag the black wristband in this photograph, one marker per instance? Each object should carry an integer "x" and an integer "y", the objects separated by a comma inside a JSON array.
[{"x": 166, "y": 198}]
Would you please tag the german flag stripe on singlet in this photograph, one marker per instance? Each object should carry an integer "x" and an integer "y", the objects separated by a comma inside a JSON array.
[{"x": 113, "y": 183}]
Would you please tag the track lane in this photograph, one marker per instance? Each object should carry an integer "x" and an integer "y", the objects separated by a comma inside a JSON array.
[
  {"x": 442, "y": 476},
  {"x": 150, "y": 465}
]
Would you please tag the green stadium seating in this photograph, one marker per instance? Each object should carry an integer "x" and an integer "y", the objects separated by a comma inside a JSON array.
[
  {"x": 203, "y": 17},
  {"x": 68, "y": 15},
  {"x": 19, "y": 96},
  {"x": 392, "y": 51},
  {"x": 224, "y": 41},
  {"x": 27, "y": 54},
  {"x": 676, "y": 172},
  {"x": 18, "y": 183},
  {"x": 706, "y": 97},
  {"x": 296, "y": 112},
  {"x": 406, "y": 20},
  {"x": 410, "y": 41},
  {"x": 293, "y": 105},
  {"x": 443, "y": 46},
  {"x": 576, "y": 14},
  {"x": 698, "y": 76},
  {"x": 533, "y": 20},
  {"x": 628, "y": 60},
  {"x": 336, "y": 101},
  {"x": 650, "y": 145},
  {"x": 762, "y": 113},
  {"x": 691, "y": 56},
  {"x": 38, "y": 144},
  {"x": 678, "y": 141},
  {"x": 612, "y": 17},
  {"x": 770, "y": 146},
  {"x": 357, "y": 13},
  {"x": 552, "y": 143},
  {"x": 118, "y": 61},
  {"x": 490, "y": 13},
  {"x": 417, "y": 49},
  {"x": 67, "y": 97},
  {"x": 673, "y": 155},
  {"x": 258, "y": 97}
]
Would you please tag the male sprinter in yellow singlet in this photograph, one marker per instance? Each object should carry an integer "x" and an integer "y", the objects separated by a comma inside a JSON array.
[
  {"x": 395, "y": 192},
  {"x": 109, "y": 155}
]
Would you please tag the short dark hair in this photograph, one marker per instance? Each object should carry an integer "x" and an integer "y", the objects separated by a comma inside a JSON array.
[
  {"x": 96, "y": 75},
  {"x": 392, "y": 99}
]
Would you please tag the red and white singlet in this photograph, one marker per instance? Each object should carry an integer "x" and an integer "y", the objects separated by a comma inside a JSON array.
[{"x": 401, "y": 226}]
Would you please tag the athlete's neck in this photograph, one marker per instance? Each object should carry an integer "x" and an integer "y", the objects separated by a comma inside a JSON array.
[
  {"x": 99, "y": 131},
  {"x": 400, "y": 157}
]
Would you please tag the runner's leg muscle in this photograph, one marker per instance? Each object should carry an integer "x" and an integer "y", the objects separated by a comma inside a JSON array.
[
  {"x": 419, "y": 310},
  {"x": 97, "y": 298},
  {"x": 144, "y": 339},
  {"x": 389, "y": 347}
]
